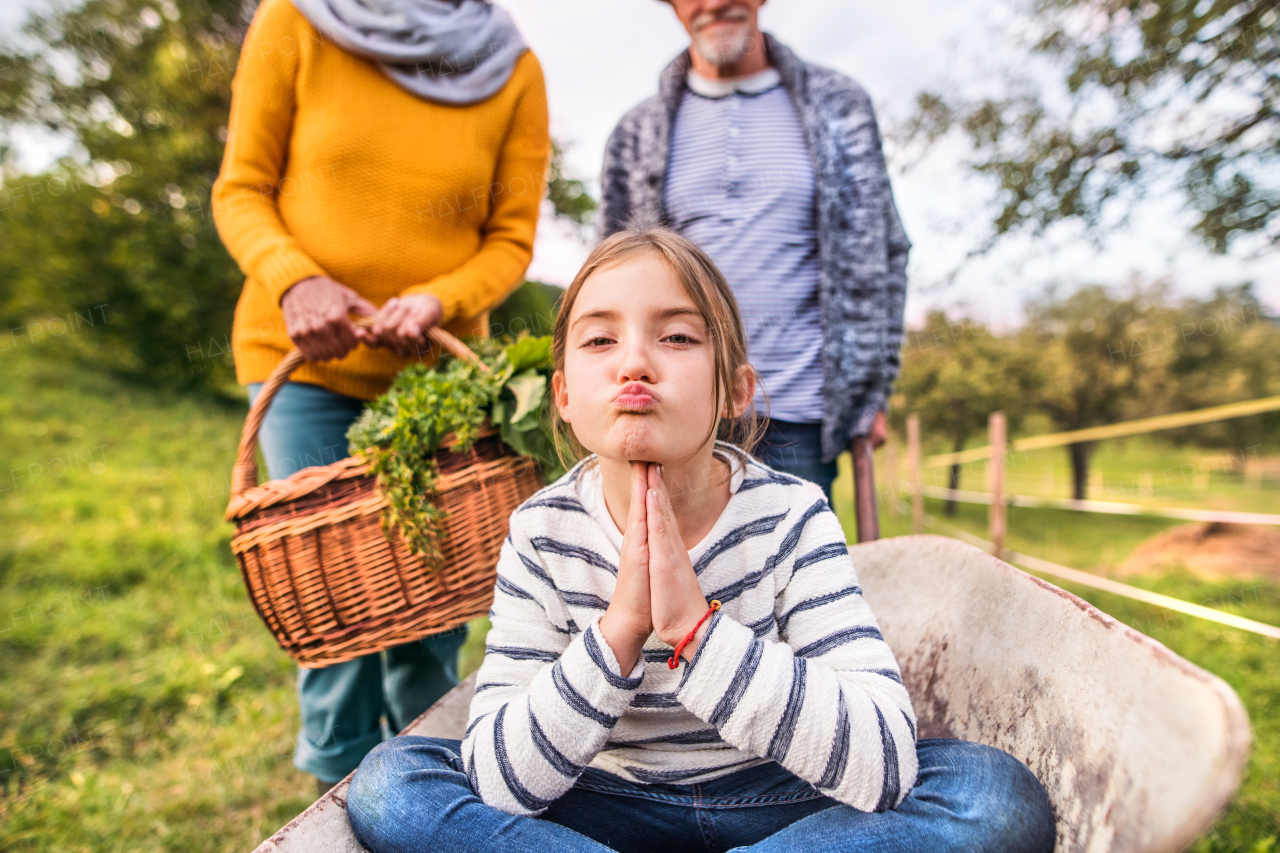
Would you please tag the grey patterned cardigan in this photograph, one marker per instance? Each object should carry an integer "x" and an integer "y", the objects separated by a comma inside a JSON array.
[{"x": 862, "y": 246}]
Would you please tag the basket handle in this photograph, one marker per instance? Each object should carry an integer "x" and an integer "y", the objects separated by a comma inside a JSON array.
[{"x": 245, "y": 473}]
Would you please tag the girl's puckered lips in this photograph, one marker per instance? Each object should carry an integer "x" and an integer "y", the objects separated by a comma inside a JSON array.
[{"x": 635, "y": 397}]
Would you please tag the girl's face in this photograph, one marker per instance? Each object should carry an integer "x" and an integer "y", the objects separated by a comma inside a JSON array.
[{"x": 639, "y": 370}]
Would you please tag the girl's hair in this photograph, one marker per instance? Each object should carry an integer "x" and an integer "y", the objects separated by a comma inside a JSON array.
[{"x": 711, "y": 294}]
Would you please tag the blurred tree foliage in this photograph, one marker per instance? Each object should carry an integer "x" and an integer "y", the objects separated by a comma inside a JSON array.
[
  {"x": 143, "y": 90},
  {"x": 531, "y": 308},
  {"x": 1090, "y": 378},
  {"x": 1092, "y": 357},
  {"x": 956, "y": 373},
  {"x": 120, "y": 229},
  {"x": 568, "y": 195},
  {"x": 1151, "y": 88},
  {"x": 1227, "y": 349}
]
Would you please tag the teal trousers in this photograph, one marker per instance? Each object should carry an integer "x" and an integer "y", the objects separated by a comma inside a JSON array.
[{"x": 343, "y": 705}]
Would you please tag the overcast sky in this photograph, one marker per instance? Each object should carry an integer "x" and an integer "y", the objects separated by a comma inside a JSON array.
[{"x": 601, "y": 58}]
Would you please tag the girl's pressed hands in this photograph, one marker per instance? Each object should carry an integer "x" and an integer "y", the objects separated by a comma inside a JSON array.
[
  {"x": 676, "y": 598},
  {"x": 628, "y": 621}
]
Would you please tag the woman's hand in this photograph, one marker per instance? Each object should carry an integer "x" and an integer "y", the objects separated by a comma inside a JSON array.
[
  {"x": 628, "y": 622},
  {"x": 315, "y": 316},
  {"x": 402, "y": 323},
  {"x": 676, "y": 597}
]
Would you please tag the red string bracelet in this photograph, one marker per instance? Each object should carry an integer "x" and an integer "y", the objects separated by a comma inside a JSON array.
[{"x": 674, "y": 663}]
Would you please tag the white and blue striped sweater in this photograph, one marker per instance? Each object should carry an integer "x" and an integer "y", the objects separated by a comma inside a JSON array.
[
  {"x": 740, "y": 185},
  {"x": 792, "y": 669}
]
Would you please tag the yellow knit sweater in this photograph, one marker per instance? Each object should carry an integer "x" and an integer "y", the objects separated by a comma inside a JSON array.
[{"x": 332, "y": 169}]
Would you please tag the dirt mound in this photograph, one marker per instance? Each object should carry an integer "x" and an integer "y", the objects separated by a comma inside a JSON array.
[{"x": 1214, "y": 549}]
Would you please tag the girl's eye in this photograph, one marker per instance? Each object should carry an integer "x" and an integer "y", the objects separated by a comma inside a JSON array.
[
  {"x": 680, "y": 339},
  {"x": 598, "y": 342}
]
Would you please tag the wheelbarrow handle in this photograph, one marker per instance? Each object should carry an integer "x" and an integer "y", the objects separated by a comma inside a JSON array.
[
  {"x": 864, "y": 489},
  {"x": 245, "y": 473}
]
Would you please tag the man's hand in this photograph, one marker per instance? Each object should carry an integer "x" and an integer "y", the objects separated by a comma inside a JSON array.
[
  {"x": 879, "y": 429},
  {"x": 402, "y": 323},
  {"x": 676, "y": 598},
  {"x": 315, "y": 316},
  {"x": 628, "y": 621}
]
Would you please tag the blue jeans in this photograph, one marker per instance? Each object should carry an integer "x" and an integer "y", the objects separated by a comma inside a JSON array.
[
  {"x": 796, "y": 449},
  {"x": 343, "y": 705},
  {"x": 411, "y": 796}
]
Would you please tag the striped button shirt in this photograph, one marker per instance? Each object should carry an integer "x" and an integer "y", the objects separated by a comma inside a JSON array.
[
  {"x": 740, "y": 184},
  {"x": 792, "y": 668}
]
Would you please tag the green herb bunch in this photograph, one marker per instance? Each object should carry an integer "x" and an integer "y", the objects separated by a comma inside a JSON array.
[{"x": 399, "y": 433}]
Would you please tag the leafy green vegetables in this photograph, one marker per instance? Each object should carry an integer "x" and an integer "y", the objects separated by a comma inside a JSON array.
[{"x": 400, "y": 432}]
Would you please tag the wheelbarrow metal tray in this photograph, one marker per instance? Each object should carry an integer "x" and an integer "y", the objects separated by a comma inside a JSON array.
[{"x": 1138, "y": 749}]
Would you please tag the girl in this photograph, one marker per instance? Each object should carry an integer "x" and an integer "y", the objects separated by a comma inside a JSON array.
[{"x": 680, "y": 657}]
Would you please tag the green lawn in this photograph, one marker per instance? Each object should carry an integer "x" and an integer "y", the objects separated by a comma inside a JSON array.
[
  {"x": 145, "y": 707},
  {"x": 1140, "y": 470}
]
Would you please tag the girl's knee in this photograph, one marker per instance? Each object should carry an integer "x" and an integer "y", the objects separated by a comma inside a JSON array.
[
  {"x": 377, "y": 770},
  {"x": 367, "y": 796},
  {"x": 993, "y": 790},
  {"x": 1020, "y": 814},
  {"x": 381, "y": 794}
]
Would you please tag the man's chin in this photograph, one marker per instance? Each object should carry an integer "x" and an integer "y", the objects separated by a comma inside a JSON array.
[{"x": 724, "y": 47}]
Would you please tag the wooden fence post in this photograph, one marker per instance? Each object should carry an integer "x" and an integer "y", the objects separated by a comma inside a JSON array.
[
  {"x": 913, "y": 463},
  {"x": 894, "y": 474},
  {"x": 995, "y": 480}
]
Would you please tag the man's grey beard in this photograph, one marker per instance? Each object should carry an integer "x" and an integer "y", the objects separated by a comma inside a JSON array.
[{"x": 724, "y": 50}]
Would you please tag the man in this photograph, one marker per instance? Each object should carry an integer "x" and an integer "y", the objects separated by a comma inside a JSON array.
[{"x": 774, "y": 167}]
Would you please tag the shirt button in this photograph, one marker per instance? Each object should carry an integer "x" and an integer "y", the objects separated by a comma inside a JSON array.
[
  {"x": 731, "y": 161},
  {"x": 733, "y": 131}
]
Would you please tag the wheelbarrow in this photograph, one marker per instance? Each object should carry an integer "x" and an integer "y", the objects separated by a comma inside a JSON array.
[{"x": 1138, "y": 748}]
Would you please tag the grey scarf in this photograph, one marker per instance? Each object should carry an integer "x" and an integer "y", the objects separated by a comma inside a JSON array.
[{"x": 456, "y": 53}]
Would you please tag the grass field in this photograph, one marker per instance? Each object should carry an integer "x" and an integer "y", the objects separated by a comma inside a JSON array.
[{"x": 145, "y": 708}]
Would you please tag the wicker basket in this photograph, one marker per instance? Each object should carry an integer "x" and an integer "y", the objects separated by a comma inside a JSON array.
[{"x": 328, "y": 582}]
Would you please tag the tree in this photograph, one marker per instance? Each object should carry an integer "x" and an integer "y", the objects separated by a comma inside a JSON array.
[
  {"x": 955, "y": 373},
  {"x": 566, "y": 194},
  {"x": 531, "y": 308},
  {"x": 1152, "y": 89},
  {"x": 123, "y": 224},
  {"x": 1223, "y": 351},
  {"x": 143, "y": 90},
  {"x": 1104, "y": 360}
]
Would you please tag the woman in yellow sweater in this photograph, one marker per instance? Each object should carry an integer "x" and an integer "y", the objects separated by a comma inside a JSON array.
[{"x": 385, "y": 159}]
